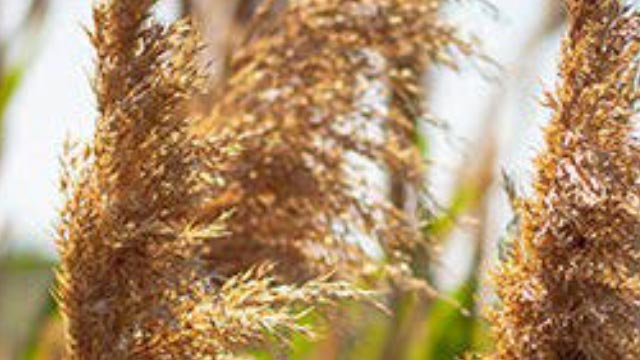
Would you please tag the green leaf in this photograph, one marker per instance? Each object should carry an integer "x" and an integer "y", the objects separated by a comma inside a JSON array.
[
  {"x": 422, "y": 143},
  {"x": 450, "y": 327},
  {"x": 26, "y": 261},
  {"x": 48, "y": 310},
  {"x": 462, "y": 199},
  {"x": 302, "y": 347},
  {"x": 370, "y": 340},
  {"x": 37, "y": 269},
  {"x": 9, "y": 83},
  {"x": 8, "y": 86}
]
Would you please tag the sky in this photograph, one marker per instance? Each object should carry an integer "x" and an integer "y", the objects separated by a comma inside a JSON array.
[{"x": 55, "y": 101}]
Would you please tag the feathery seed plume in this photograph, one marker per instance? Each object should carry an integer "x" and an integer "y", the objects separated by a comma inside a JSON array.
[
  {"x": 571, "y": 288},
  {"x": 143, "y": 200},
  {"x": 299, "y": 100}
]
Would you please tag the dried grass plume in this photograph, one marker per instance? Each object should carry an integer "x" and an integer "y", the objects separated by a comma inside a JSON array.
[
  {"x": 570, "y": 288},
  {"x": 144, "y": 198}
]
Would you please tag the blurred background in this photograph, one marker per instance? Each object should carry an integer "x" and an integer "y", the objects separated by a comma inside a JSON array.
[{"x": 488, "y": 121}]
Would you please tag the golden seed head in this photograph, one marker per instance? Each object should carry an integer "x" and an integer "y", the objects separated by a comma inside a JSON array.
[{"x": 570, "y": 286}]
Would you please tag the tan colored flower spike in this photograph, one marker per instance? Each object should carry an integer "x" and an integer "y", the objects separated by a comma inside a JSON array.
[
  {"x": 570, "y": 288},
  {"x": 308, "y": 98},
  {"x": 132, "y": 283}
]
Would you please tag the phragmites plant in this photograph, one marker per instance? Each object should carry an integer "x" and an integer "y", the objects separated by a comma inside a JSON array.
[
  {"x": 307, "y": 98},
  {"x": 144, "y": 199},
  {"x": 571, "y": 287},
  {"x": 187, "y": 237},
  {"x": 240, "y": 199}
]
